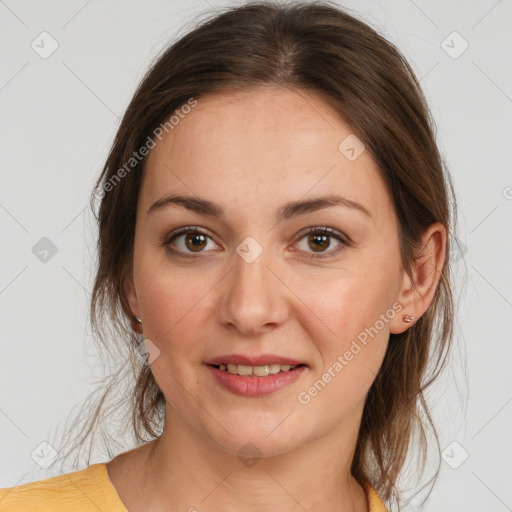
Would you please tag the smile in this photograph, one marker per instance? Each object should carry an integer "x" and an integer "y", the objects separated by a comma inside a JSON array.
[
  {"x": 255, "y": 371},
  {"x": 244, "y": 380}
]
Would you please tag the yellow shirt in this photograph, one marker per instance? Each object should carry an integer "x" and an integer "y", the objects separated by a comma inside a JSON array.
[{"x": 89, "y": 490}]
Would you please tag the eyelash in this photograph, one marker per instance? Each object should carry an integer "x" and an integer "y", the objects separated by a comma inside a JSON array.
[{"x": 319, "y": 230}]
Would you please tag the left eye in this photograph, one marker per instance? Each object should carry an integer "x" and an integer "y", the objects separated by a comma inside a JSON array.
[{"x": 318, "y": 240}]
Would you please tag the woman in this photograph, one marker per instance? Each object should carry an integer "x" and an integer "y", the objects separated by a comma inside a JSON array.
[{"x": 274, "y": 227}]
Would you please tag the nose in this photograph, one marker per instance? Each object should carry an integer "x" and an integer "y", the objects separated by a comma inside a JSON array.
[{"x": 254, "y": 298}]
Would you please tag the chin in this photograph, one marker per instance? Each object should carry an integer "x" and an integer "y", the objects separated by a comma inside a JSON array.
[{"x": 254, "y": 440}]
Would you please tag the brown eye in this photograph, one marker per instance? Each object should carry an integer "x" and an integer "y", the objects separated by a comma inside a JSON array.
[
  {"x": 189, "y": 240},
  {"x": 319, "y": 240},
  {"x": 195, "y": 242}
]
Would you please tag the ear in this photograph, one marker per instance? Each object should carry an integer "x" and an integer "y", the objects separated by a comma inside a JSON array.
[
  {"x": 131, "y": 296},
  {"x": 417, "y": 292}
]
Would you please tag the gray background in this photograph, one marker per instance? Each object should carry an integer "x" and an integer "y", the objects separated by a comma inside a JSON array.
[{"x": 58, "y": 117}]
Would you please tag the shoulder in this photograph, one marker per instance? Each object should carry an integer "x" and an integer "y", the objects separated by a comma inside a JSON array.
[
  {"x": 84, "y": 490},
  {"x": 375, "y": 503}
]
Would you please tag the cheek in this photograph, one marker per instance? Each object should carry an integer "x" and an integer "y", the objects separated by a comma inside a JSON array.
[
  {"x": 174, "y": 298},
  {"x": 350, "y": 338},
  {"x": 174, "y": 312},
  {"x": 174, "y": 308},
  {"x": 343, "y": 304},
  {"x": 348, "y": 315}
]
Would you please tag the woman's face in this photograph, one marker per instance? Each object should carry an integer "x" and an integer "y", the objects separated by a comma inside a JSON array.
[{"x": 253, "y": 282}]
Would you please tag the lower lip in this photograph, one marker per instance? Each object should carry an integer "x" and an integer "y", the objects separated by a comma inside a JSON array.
[{"x": 256, "y": 386}]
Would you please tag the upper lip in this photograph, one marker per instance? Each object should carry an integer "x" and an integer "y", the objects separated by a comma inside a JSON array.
[{"x": 260, "y": 360}]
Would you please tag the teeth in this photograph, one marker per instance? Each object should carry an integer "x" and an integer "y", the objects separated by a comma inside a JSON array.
[{"x": 257, "y": 371}]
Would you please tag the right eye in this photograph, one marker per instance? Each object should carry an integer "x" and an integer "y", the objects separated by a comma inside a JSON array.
[{"x": 189, "y": 240}]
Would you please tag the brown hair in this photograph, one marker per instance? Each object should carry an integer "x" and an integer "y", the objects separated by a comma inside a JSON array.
[{"x": 316, "y": 48}]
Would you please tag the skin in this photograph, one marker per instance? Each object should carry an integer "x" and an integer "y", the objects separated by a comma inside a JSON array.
[{"x": 286, "y": 302}]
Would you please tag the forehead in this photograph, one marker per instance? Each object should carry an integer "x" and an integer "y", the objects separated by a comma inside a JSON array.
[
  {"x": 265, "y": 145},
  {"x": 250, "y": 123}
]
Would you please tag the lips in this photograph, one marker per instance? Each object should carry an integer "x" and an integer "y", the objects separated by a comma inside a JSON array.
[
  {"x": 261, "y": 360},
  {"x": 251, "y": 386}
]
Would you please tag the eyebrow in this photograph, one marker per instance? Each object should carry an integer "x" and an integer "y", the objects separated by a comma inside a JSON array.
[{"x": 285, "y": 212}]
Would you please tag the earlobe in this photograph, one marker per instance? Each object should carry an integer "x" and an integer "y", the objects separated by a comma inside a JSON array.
[
  {"x": 131, "y": 295},
  {"x": 418, "y": 291},
  {"x": 405, "y": 316}
]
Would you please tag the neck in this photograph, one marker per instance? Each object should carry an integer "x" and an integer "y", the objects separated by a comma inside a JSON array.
[{"x": 186, "y": 469}]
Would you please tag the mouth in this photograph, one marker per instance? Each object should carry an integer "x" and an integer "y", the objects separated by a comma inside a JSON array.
[
  {"x": 255, "y": 381},
  {"x": 256, "y": 371}
]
